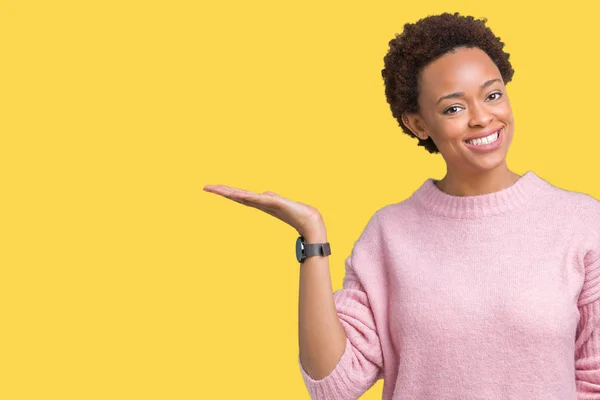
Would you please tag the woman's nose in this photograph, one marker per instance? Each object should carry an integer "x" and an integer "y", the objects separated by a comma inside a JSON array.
[{"x": 479, "y": 115}]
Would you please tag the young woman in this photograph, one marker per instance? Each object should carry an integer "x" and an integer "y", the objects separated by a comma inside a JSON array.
[{"x": 484, "y": 284}]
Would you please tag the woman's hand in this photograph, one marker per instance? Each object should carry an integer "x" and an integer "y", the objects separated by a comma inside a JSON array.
[{"x": 304, "y": 218}]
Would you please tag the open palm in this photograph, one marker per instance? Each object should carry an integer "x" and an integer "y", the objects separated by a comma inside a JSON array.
[{"x": 298, "y": 215}]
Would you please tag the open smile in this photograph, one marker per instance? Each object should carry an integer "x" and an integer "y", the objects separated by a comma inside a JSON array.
[{"x": 490, "y": 142}]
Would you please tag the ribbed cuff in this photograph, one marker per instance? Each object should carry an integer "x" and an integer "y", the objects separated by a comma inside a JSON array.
[{"x": 336, "y": 385}]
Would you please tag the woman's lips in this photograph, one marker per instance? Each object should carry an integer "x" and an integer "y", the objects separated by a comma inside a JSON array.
[{"x": 490, "y": 146}]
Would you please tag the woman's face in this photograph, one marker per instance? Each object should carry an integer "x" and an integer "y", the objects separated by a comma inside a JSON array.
[{"x": 461, "y": 96}]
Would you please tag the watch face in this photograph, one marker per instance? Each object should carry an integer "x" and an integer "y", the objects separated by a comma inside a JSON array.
[{"x": 300, "y": 249}]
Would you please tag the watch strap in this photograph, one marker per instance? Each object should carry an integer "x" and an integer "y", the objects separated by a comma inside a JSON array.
[{"x": 317, "y": 249}]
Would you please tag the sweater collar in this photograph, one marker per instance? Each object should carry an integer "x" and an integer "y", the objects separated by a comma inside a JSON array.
[{"x": 443, "y": 204}]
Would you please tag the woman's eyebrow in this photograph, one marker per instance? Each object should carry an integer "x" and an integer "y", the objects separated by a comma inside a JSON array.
[{"x": 458, "y": 94}]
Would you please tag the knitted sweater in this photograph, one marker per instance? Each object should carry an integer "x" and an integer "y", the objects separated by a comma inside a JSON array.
[{"x": 493, "y": 296}]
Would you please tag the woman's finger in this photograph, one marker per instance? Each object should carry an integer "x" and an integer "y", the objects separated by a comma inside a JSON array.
[
  {"x": 243, "y": 196},
  {"x": 222, "y": 189},
  {"x": 226, "y": 191}
]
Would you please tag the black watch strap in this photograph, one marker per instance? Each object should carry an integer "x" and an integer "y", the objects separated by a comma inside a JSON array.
[{"x": 317, "y": 249}]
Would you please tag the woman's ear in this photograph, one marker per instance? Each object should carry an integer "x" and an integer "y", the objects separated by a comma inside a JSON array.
[{"x": 416, "y": 125}]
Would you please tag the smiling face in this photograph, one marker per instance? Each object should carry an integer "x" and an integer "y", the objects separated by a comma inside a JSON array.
[{"x": 461, "y": 96}]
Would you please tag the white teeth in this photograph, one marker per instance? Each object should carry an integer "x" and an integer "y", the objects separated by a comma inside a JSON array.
[{"x": 486, "y": 140}]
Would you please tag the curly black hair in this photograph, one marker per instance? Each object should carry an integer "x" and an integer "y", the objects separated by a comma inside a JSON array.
[{"x": 425, "y": 41}]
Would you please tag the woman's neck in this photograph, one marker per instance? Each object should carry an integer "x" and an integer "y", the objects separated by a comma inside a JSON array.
[{"x": 471, "y": 185}]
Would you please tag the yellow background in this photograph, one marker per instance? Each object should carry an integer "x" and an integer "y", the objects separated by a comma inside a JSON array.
[{"x": 120, "y": 278}]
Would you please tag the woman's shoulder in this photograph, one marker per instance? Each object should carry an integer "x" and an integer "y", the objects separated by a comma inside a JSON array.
[
  {"x": 583, "y": 204},
  {"x": 404, "y": 210},
  {"x": 385, "y": 216}
]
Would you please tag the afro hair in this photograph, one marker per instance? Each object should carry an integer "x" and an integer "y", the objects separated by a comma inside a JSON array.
[{"x": 425, "y": 41}]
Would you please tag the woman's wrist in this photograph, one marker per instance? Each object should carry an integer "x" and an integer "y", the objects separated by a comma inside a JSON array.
[{"x": 316, "y": 235}]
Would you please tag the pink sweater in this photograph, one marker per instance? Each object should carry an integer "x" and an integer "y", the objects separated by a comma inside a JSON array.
[{"x": 495, "y": 296}]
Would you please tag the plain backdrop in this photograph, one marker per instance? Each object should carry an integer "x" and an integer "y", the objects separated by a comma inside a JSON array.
[{"x": 120, "y": 278}]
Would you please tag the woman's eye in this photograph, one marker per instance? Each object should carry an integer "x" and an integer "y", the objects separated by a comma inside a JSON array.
[
  {"x": 499, "y": 94},
  {"x": 451, "y": 110}
]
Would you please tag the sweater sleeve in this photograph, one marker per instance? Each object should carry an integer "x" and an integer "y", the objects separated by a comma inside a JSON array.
[
  {"x": 587, "y": 344},
  {"x": 361, "y": 364}
]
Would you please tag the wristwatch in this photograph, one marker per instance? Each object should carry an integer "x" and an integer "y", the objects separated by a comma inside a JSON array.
[{"x": 304, "y": 250}]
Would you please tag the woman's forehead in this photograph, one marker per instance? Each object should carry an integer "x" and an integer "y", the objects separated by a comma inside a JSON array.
[{"x": 462, "y": 69}]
